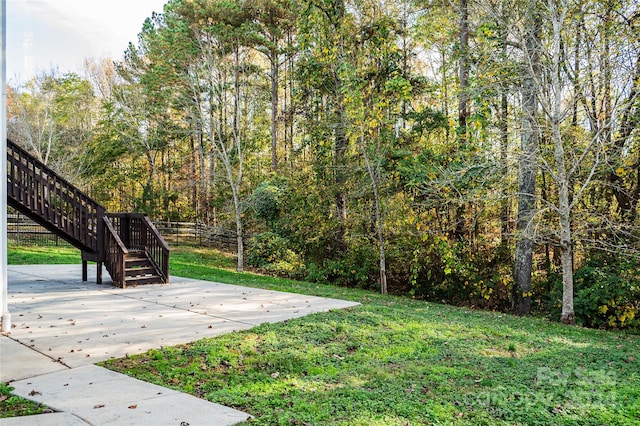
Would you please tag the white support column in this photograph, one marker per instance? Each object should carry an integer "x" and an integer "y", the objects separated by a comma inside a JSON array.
[{"x": 4, "y": 303}]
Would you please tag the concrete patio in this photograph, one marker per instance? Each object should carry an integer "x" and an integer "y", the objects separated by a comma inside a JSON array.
[{"x": 62, "y": 326}]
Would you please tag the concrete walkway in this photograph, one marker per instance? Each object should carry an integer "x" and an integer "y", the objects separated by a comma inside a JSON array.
[{"x": 62, "y": 326}]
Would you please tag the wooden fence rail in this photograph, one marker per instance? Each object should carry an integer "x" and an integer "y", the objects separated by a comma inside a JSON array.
[
  {"x": 22, "y": 230},
  {"x": 193, "y": 233}
]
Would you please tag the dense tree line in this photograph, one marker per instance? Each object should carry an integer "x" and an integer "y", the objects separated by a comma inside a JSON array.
[{"x": 473, "y": 152}]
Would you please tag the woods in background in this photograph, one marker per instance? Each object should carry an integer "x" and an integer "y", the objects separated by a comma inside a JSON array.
[{"x": 473, "y": 152}]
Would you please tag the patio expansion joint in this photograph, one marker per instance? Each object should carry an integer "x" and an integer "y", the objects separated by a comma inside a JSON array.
[
  {"x": 139, "y": 299},
  {"x": 56, "y": 360}
]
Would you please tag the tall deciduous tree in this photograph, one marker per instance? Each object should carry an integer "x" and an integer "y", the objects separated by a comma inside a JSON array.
[
  {"x": 528, "y": 163},
  {"x": 53, "y": 117},
  {"x": 274, "y": 20},
  {"x": 221, "y": 78},
  {"x": 326, "y": 58}
]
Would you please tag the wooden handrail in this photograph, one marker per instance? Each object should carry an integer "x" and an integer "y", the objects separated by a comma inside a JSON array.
[
  {"x": 116, "y": 252},
  {"x": 39, "y": 192},
  {"x": 153, "y": 228},
  {"x": 111, "y": 230},
  {"x": 159, "y": 249},
  {"x": 137, "y": 231}
]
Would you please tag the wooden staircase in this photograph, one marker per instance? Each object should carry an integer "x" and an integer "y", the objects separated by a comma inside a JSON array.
[
  {"x": 139, "y": 268},
  {"x": 128, "y": 244}
]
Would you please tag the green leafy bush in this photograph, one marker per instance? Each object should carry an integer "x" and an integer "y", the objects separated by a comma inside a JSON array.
[
  {"x": 607, "y": 294},
  {"x": 451, "y": 272},
  {"x": 357, "y": 267},
  {"x": 267, "y": 202},
  {"x": 271, "y": 252}
]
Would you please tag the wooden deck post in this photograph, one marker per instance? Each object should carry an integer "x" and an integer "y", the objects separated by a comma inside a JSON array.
[
  {"x": 84, "y": 270},
  {"x": 99, "y": 272}
]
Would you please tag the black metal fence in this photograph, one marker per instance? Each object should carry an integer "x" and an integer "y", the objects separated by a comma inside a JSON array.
[{"x": 23, "y": 231}]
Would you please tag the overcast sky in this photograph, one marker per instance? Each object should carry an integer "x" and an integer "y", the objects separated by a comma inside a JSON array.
[{"x": 45, "y": 34}]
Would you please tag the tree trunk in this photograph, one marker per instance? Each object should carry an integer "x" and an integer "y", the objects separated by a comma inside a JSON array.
[
  {"x": 239, "y": 236},
  {"x": 381, "y": 249},
  {"x": 373, "y": 175},
  {"x": 463, "y": 100},
  {"x": 566, "y": 254},
  {"x": 341, "y": 143},
  {"x": 460, "y": 227},
  {"x": 504, "y": 143},
  {"x": 192, "y": 178},
  {"x": 566, "y": 258},
  {"x": 563, "y": 178},
  {"x": 528, "y": 167},
  {"x": 274, "y": 109},
  {"x": 204, "y": 194},
  {"x": 627, "y": 199}
]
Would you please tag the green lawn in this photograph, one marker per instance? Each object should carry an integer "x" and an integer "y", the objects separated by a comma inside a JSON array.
[
  {"x": 14, "y": 406},
  {"x": 397, "y": 361},
  {"x": 42, "y": 255}
]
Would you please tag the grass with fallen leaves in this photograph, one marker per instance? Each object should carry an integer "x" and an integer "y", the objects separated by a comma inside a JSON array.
[
  {"x": 398, "y": 361},
  {"x": 15, "y": 406}
]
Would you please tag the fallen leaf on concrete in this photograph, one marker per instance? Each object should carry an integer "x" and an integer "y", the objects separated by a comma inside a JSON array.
[
  {"x": 133, "y": 407},
  {"x": 98, "y": 406},
  {"x": 34, "y": 392}
]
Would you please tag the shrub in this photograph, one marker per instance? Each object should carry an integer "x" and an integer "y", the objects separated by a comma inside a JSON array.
[
  {"x": 452, "y": 272},
  {"x": 607, "y": 294},
  {"x": 357, "y": 267},
  {"x": 267, "y": 202},
  {"x": 271, "y": 252}
]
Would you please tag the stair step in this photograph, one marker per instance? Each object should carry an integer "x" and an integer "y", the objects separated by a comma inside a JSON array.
[
  {"x": 137, "y": 254},
  {"x": 134, "y": 263},
  {"x": 150, "y": 279},
  {"x": 136, "y": 272}
]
